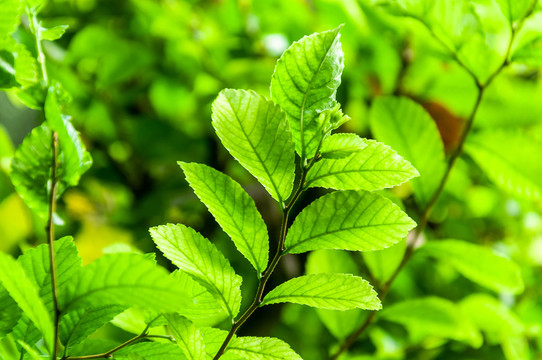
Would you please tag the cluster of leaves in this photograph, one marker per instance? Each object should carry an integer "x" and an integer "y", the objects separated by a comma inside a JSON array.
[{"x": 47, "y": 313}]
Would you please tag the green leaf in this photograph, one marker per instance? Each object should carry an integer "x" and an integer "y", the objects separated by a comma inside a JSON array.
[
  {"x": 374, "y": 167},
  {"x": 36, "y": 265},
  {"x": 32, "y": 164},
  {"x": 514, "y": 167},
  {"x": 492, "y": 316},
  {"x": 527, "y": 48},
  {"x": 326, "y": 291},
  {"x": 8, "y": 348},
  {"x": 10, "y": 16},
  {"x": 233, "y": 209},
  {"x": 530, "y": 52},
  {"x": 339, "y": 146},
  {"x": 188, "y": 337},
  {"x": 255, "y": 132},
  {"x": 514, "y": 9},
  {"x": 9, "y": 312},
  {"x": 262, "y": 348},
  {"x": 23, "y": 291},
  {"x": 304, "y": 84},
  {"x": 7, "y": 72},
  {"x": 516, "y": 347},
  {"x": 74, "y": 158},
  {"x": 126, "y": 279},
  {"x": 383, "y": 263},
  {"x": 33, "y": 353},
  {"x": 208, "y": 310},
  {"x": 53, "y": 33},
  {"x": 18, "y": 68},
  {"x": 213, "y": 339},
  {"x": 409, "y": 129},
  {"x": 151, "y": 351},
  {"x": 418, "y": 9},
  {"x": 76, "y": 325},
  {"x": 478, "y": 263},
  {"x": 499, "y": 324},
  {"x": 197, "y": 256},
  {"x": 30, "y": 169},
  {"x": 25, "y": 66},
  {"x": 433, "y": 317},
  {"x": 339, "y": 323},
  {"x": 349, "y": 220}
]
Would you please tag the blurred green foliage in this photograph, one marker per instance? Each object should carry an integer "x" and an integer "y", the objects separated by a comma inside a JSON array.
[{"x": 142, "y": 75}]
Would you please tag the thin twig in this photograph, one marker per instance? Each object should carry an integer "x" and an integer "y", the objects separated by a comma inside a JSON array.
[
  {"x": 107, "y": 354},
  {"x": 383, "y": 291}
]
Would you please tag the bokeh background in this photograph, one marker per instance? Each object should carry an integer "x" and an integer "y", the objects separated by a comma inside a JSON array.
[{"x": 142, "y": 75}]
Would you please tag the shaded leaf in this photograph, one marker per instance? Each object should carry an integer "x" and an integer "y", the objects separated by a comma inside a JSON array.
[
  {"x": 514, "y": 9},
  {"x": 491, "y": 315},
  {"x": 383, "y": 263},
  {"x": 151, "y": 351},
  {"x": 409, "y": 130},
  {"x": 78, "y": 324},
  {"x": 478, "y": 264},
  {"x": 9, "y": 312},
  {"x": 514, "y": 167},
  {"x": 435, "y": 317},
  {"x": 339, "y": 323}
]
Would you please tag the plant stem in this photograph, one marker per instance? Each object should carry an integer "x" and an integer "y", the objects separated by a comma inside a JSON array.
[
  {"x": 384, "y": 289},
  {"x": 107, "y": 354},
  {"x": 51, "y": 239},
  {"x": 50, "y": 228},
  {"x": 276, "y": 259}
]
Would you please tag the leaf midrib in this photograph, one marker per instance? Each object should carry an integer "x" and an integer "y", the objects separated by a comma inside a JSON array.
[
  {"x": 305, "y": 96},
  {"x": 208, "y": 279},
  {"x": 237, "y": 226},
  {"x": 275, "y": 187},
  {"x": 354, "y": 171},
  {"x": 341, "y": 230}
]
